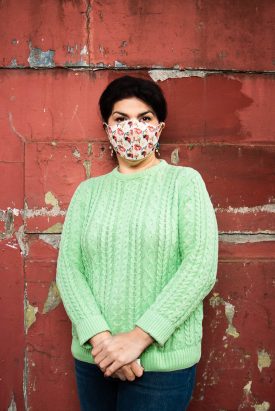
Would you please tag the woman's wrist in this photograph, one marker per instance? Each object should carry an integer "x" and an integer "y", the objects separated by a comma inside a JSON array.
[
  {"x": 99, "y": 337},
  {"x": 143, "y": 337}
]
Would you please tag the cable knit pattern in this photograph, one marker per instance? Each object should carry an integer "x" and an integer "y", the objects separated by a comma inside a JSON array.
[{"x": 140, "y": 249}]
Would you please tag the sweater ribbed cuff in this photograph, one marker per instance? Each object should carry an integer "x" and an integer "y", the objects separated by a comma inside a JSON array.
[
  {"x": 157, "y": 326},
  {"x": 90, "y": 326}
]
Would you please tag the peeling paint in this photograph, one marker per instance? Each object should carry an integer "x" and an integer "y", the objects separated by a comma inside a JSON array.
[
  {"x": 71, "y": 49},
  {"x": 53, "y": 299},
  {"x": 13, "y": 63},
  {"x": 247, "y": 388},
  {"x": 249, "y": 400},
  {"x": 229, "y": 309},
  {"x": 90, "y": 149},
  {"x": 8, "y": 218},
  {"x": 265, "y": 208},
  {"x": 51, "y": 239},
  {"x": 264, "y": 406},
  {"x": 216, "y": 300},
  {"x": 162, "y": 75},
  {"x": 264, "y": 360},
  {"x": 229, "y": 312},
  {"x": 76, "y": 153},
  {"x": 118, "y": 64},
  {"x": 20, "y": 236},
  {"x": 50, "y": 199},
  {"x": 175, "y": 156},
  {"x": 87, "y": 167},
  {"x": 30, "y": 213},
  {"x": 30, "y": 315},
  {"x": 53, "y": 229},
  {"x": 39, "y": 58},
  {"x": 55, "y": 211},
  {"x": 84, "y": 50},
  {"x": 12, "y": 406},
  {"x": 241, "y": 238}
]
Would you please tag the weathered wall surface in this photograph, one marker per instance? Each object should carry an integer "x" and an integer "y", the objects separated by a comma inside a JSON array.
[{"x": 215, "y": 61}]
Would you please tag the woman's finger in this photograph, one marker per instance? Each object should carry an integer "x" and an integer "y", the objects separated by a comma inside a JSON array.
[
  {"x": 137, "y": 369},
  {"x": 128, "y": 372},
  {"x": 112, "y": 368}
]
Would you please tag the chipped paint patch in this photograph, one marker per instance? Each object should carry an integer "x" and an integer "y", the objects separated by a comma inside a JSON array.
[
  {"x": 87, "y": 167},
  {"x": 51, "y": 239},
  {"x": 39, "y": 58},
  {"x": 265, "y": 208},
  {"x": 175, "y": 156},
  {"x": 8, "y": 218},
  {"x": 229, "y": 309},
  {"x": 162, "y": 75},
  {"x": 28, "y": 213},
  {"x": 216, "y": 300},
  {"x": 55, "y": 211},
  {"x": 264, "y": 406},
  {"x": 76, "y": 153},
  {"x": 247, "y": 388},
  {"x": 12, "y": 406},
  {"x": 13, "y": 63},
  {"x": 90, "y": 149},
  {"x": 229, "y": 312},
  {"x": 249, "y": 400},
  {"x": 54, "y": 229},
  {"x": 84, "y": 51},
  {"x": 50, "y": 199},
  {"x": 249, "y": 237},
  {"x": 53, "y": 299},
  {"x": 20, "y": 236},
  {"x": 30, "y": 315},
  {"x": 119, "y": 64},
  {"x": 264, "y": 360}
]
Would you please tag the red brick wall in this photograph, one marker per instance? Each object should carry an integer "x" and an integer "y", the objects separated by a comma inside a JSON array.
[{"x": 215, "y": 61}]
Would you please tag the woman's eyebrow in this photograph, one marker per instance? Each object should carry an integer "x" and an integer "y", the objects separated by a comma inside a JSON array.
[{"x": 141, "y": 114}]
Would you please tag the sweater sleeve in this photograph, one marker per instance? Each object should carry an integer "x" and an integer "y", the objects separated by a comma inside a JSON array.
[
  {"x": 196, "y": 275},
  {"x": 77, "y": 297}
]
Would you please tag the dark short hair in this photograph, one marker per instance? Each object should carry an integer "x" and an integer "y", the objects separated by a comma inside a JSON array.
[{"x": 129, "y": 86}]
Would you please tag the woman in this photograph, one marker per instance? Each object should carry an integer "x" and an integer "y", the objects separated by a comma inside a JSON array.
[{"x": 138, "y": 254}]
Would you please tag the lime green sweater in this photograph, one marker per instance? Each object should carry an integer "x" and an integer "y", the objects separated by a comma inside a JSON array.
[{"x": 140, "y": 249}]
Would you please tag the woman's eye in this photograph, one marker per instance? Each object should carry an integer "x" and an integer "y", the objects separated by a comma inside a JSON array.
[
  {"x": 120, "y": 119},
  {"x": 146, "y": 118}
]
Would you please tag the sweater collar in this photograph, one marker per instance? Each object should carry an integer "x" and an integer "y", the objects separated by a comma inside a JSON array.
[{"x": 139, "y": 174}]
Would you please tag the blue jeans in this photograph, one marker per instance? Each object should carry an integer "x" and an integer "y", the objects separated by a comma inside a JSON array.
[{"x": 153, "y": 391}]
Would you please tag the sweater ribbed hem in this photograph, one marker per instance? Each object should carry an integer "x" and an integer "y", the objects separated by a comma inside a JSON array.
[
  {"x": 157, "y": 326},
  {"x": 151, "y": 361}
]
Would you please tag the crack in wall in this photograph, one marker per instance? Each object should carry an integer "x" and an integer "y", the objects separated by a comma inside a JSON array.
[
  {"x": 88, "y": 28},
  {"x": 118, "y": 66}
]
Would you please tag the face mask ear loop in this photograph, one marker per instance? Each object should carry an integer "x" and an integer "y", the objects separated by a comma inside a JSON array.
[
  {"x": 106, "y": 127},
  {"x": 162, "y": 125}
]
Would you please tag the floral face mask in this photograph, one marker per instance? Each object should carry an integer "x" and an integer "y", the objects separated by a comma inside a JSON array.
[{"x": 134, "y": 139}]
